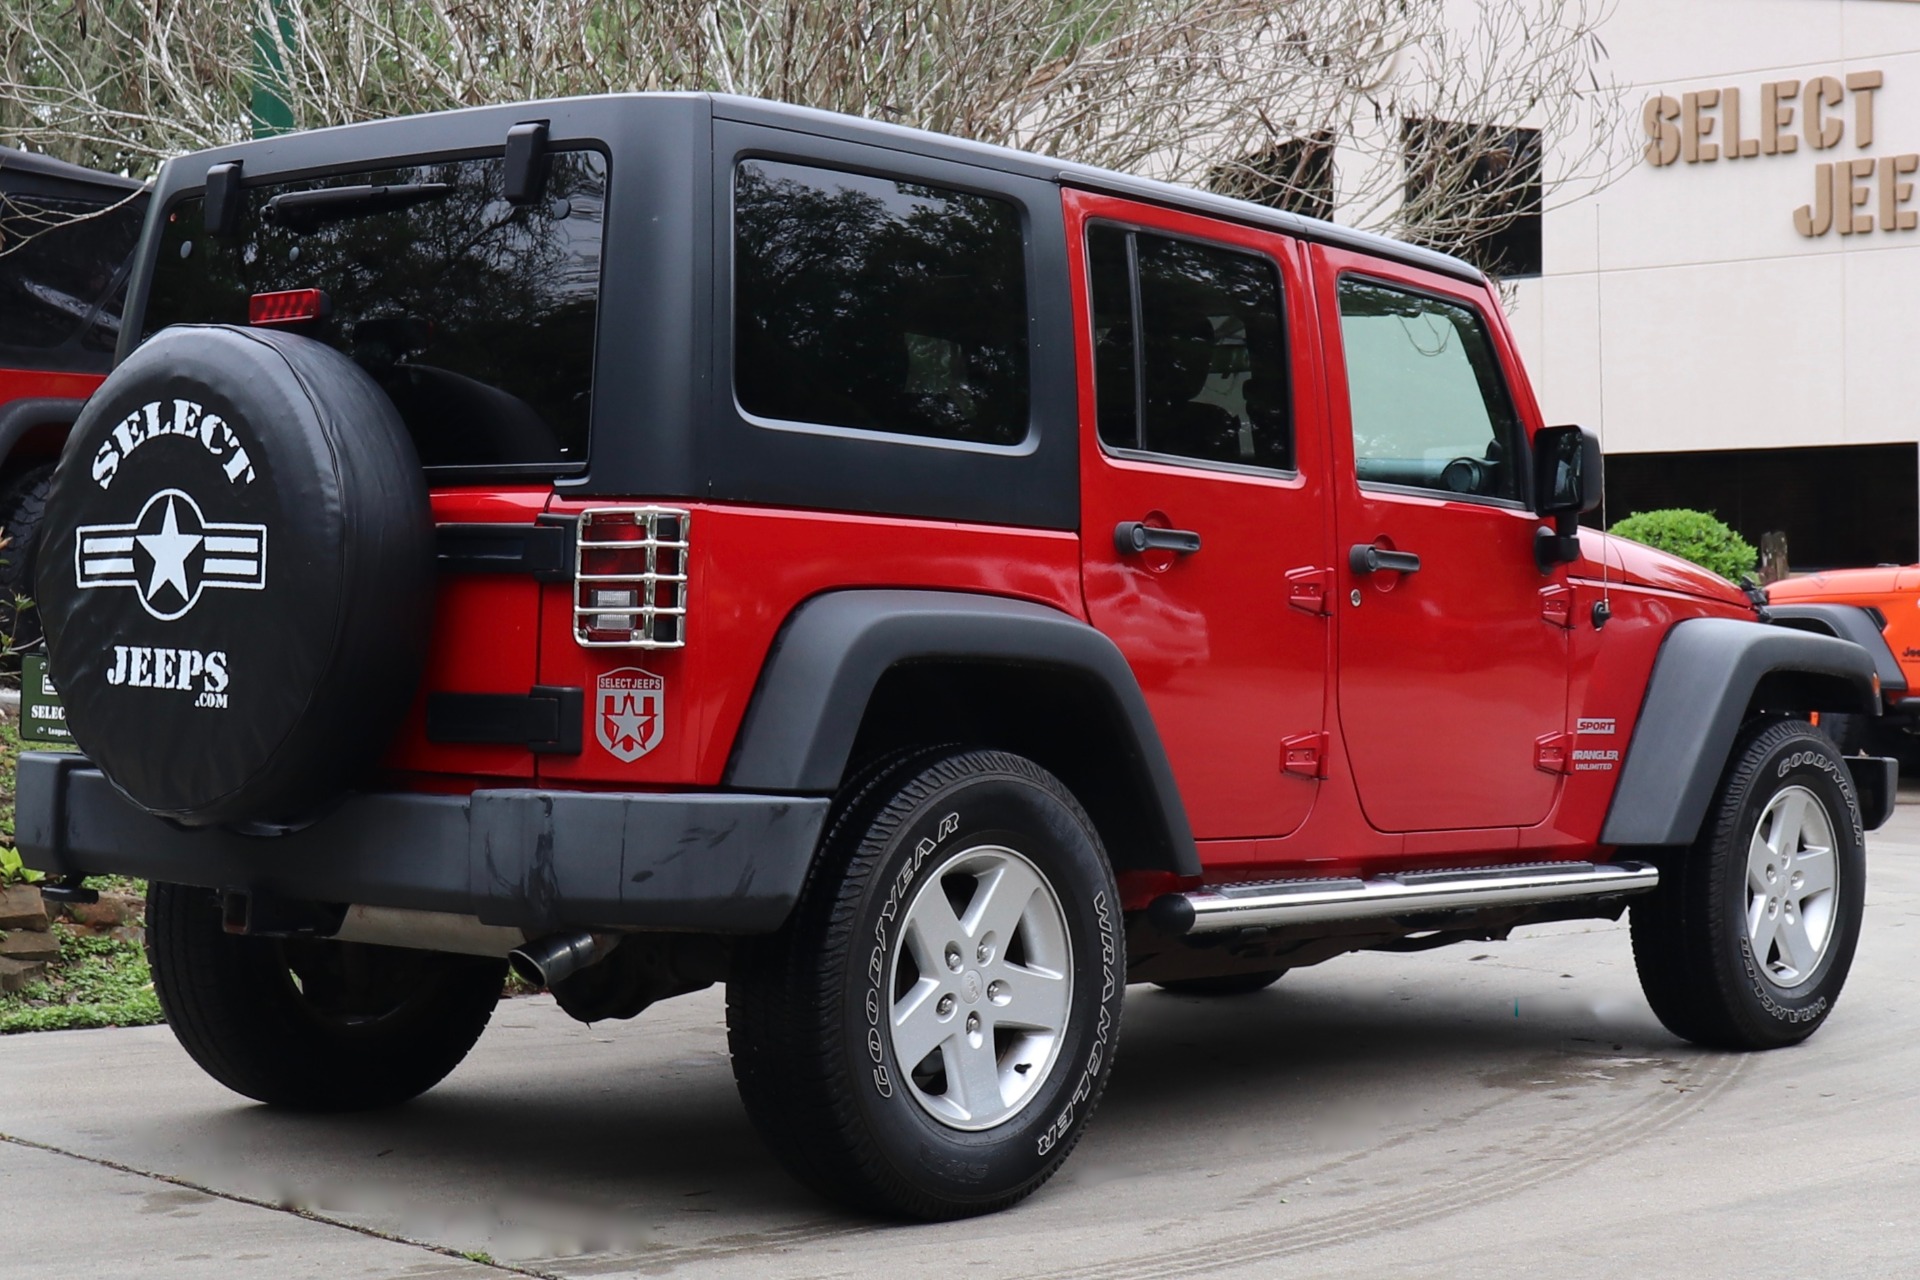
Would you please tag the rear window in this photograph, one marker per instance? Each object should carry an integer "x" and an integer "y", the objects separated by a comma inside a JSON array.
[
  {"x": 880, "y": 305},
  {"x": 474, "y": 315},
  {"x": 63, "y": 278}
]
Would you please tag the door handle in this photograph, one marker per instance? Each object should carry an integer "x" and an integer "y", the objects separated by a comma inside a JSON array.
[
  {"x": 1131, "y": 538},
  {"x": 1366, "y": 558}
]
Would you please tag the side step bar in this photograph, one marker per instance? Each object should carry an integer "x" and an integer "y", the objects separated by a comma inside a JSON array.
[{"x": 1288, "y": 902}]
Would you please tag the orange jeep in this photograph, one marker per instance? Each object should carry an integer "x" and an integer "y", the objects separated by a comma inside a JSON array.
[{"x": 1879, "y": 608}]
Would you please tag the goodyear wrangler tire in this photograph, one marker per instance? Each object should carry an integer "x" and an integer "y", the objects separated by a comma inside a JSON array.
[
  {"x": 236, "y": 575},
  {"x": 1748, "y": 939},
  {"x": 929, "y": 1033}
]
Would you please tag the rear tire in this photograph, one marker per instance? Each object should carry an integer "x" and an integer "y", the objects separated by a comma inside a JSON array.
[
  {"x": 307, "y": 1023},
  {"x": 929, "y": 1032},
  {"x": 22, "y": 504},
  {"x": 1747, "y": 941},
  {"x": 1230, "y": 984}
]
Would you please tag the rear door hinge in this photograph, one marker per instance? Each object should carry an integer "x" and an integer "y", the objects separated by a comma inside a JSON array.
[
  {"x": 546, "y": 720},
  {"x": 1304, "y": 755},
  {"x": 1307, "y": 589},
  {"x": 1552, "y": 751},
  {"x": 1556, "y": 605}
]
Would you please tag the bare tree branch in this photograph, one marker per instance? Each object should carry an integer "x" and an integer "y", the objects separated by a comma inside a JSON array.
[{"x": 1202, "y": 91}]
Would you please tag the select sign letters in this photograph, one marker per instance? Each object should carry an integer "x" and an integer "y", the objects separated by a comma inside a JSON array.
[{"x": 1852, "y": 195}]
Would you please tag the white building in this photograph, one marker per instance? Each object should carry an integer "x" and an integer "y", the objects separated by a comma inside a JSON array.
[{"x": 1739, "y": 314}]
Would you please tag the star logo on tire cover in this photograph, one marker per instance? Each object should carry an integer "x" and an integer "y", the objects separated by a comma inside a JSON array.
[{"x": 170, "y": 554}]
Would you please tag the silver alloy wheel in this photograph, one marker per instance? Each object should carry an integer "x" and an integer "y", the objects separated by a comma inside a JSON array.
[
  {"x": 1792, "y": 886},
  {"x": 982, "y": 984}
]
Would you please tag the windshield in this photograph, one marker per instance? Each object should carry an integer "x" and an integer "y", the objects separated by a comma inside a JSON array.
[{"x": 475, "y": 316}]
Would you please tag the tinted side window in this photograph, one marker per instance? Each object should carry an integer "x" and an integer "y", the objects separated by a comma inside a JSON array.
[
  {"x": 63, "y": 274},
  {"x": 1430, "y": 408},
  {"x": 1190, "y": 353},
  {"x": 1116, "y": 387},
  {"x": 475, "y": 316},
  {"x": 880, "y": 305}
]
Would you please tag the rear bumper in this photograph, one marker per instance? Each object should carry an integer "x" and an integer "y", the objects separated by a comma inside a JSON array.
[{"x": 711, "y": 862}]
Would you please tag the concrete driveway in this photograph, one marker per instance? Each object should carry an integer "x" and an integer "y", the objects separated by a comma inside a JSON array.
[{"x": 1485, "y": 1109}]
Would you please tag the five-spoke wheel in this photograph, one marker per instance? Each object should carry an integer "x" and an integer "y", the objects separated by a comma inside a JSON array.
[
  {"x": 982, "y": 985},
  {"x": 1790, "y": 887}
]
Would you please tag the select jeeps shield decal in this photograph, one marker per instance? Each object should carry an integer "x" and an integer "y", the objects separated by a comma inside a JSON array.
[
  {"x": 170, "y": 554},
  {"x": 630, "y": 708}
]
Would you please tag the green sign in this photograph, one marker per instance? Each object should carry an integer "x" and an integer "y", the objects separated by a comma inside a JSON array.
[{"x": 43, "y": 717}]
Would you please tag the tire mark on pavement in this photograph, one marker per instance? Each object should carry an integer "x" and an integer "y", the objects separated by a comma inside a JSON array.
[
  {"x": 1549, "y": 1152},
  {"x": 661, "y": 1259},
  {"x": 292, "y": 1211}
]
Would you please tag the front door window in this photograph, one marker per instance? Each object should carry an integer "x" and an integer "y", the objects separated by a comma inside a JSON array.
[{"x": 1429, "y": 408}]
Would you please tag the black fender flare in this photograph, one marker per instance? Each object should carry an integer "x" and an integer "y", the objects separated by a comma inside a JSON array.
[
  {"x": 19, "y": 417},
  {"x": 813, "y": 692},
  {"x": 1703, "y": 683},
  {"x": 1848, "y": 622}
]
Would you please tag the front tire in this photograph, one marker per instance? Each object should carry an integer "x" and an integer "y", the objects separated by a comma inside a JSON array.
[
  {"x": 307, "y": 1023},
  {"x": 929, "y": 1032},
  {"x": 1748, "y": 940}
]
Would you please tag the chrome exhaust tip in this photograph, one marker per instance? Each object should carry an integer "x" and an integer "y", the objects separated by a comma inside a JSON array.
[{"x": 558, "y": 956}]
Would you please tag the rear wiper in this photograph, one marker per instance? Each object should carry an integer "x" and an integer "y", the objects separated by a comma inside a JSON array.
[{"x": 299, "y": 210}]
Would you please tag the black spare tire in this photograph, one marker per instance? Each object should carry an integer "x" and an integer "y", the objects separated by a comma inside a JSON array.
[{"x": 236, "y": 575}]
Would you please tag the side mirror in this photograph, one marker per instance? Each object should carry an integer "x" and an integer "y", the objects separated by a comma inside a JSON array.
[
  {"x": 1567, "y": 481},
  {"x": 1567, "y": 471}
]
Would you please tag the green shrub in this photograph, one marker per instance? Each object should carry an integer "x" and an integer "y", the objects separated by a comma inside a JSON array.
[{"x": 1698, "y": 536}]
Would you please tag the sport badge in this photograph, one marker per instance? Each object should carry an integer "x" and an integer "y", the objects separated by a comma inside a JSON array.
[{"x": 630, "y": 712}]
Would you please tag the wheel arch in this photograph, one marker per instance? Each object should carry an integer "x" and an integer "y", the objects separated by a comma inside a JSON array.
[
  {"x": 1846, "y": 622},
  {"x": 35, "y": 430},
  {"x": 854, "y": 674},
  {"x": 1711, "y": 677}
]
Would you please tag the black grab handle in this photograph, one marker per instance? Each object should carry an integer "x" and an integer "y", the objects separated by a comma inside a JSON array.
[
  {"x": 1366, "y": 558},
  {"x": 1132, "y": 538}
]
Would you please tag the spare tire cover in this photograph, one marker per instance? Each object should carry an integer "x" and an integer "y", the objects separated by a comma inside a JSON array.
[{"x": 236, "y": 578}]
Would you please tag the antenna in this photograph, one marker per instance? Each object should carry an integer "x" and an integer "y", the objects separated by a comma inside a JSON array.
[{"x": 1600, "y": 353}]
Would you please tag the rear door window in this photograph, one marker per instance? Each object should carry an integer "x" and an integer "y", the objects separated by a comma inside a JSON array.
[
  {"x": 475, "y": 316},
  {"x": 1190, "y": 357},
  {"x": 879, "y": 305}
]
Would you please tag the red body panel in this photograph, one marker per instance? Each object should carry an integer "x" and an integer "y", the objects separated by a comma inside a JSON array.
[
  {"x": 502, "y": 608},
  {"x": 750, "y": 568},
  {"x": 1468, "y": 713},
  {"x": 1231, "y": 671},
  {"x": 1448, "y": 676},
  {"x": 38, "y": 384}
]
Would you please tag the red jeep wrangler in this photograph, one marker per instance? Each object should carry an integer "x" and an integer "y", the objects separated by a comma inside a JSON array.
[
  {"x": 67, "y": 236},
  {"x": 682, "y": 539}
]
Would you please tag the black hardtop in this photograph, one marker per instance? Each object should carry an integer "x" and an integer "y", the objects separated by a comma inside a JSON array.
[
  {"x": 25, "y": 174},
  {"x": 459, "y": 131},
  {"x": 665, "y": 419}
]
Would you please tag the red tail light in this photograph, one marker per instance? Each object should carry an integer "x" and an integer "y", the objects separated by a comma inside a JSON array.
[
  {"x": 288, "y": 306},
  {"x": 630, "y": 578}
]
